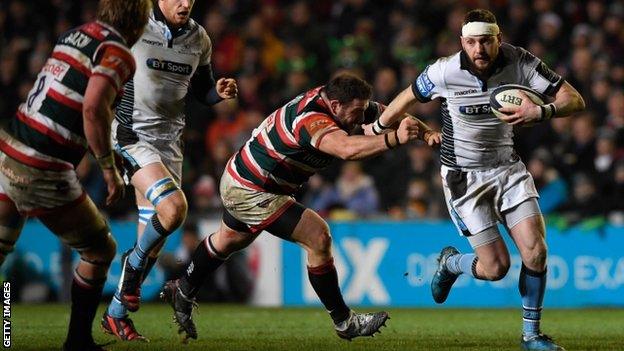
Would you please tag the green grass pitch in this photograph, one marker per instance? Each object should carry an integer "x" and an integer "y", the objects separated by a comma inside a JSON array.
[{"x": 226, "y": 327}]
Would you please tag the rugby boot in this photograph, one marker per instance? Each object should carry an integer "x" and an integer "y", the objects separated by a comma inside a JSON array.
[
  {"x": 443, "y": 279},
  {"x": 122, "y": 328},
  {"x": 131, "y": 279},
  {"x": 182, "y": 309},
  {"x": 361, "y": 324},
  {"x": 539, "y": 342}
]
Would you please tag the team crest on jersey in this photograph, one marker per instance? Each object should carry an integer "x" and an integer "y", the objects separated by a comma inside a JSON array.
[
  {"x": 424, "y": 84},
  {"x": 169, "y": 66}
]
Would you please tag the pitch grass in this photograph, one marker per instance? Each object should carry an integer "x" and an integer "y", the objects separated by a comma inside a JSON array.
[{"x": 226, "y": 327}]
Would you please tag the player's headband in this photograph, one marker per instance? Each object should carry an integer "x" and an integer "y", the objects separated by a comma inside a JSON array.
[{"x": 480, "y": 28}]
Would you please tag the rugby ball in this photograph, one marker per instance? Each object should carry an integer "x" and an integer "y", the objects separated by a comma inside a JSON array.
[{"x": 508, "y": 96}]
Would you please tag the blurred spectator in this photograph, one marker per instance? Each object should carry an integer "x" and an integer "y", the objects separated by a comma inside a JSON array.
[
  {"x": 585, "y": 201},
  {"x": 551, "y": 187},
  {"x": 353, "y": 191}
]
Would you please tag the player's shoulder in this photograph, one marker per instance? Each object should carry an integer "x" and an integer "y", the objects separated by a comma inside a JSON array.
[
  {"x": 443, "y": 64},
  {"x": 199, "y": 32},
  {"x": 517, "y": 54}
]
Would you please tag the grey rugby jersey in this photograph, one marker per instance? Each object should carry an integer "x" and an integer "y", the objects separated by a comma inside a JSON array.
[
  {"x": 472, "y": 137},
  {"x": 152, "y": 107}
]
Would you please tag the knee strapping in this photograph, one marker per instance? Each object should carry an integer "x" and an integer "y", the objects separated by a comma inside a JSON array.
[
  {"x": 145, "y": 214},
  {"x": 160, "y": 190}
]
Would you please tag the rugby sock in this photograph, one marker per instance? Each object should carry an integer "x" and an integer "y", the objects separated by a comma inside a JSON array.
[
  {"x": 324, "y": 280},
  {"x": 154, "y": 232},
  {"x": 116, "y": 309},
  {"x": 463, "y": 263},
  {"x": 532, "y": 285},
  {"x": 205, "y": 259},
  {"x": 85, "y": 296}
]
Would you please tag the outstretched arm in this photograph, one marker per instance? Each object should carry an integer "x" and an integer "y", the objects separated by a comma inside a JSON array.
[
  {"x": 356, "y": 147},
  {"x": 396, "y": 110}
]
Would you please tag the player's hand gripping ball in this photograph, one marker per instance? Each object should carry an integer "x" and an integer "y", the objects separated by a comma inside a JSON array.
[{"x": 516, "y": 104}]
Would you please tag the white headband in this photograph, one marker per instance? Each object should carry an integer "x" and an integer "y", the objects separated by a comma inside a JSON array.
[{"x": 479, "y": 28}]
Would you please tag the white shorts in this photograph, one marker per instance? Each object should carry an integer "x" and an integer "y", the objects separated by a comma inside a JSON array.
[
  {"x": 142, "y": 153},
  {"x": 477, "y": 199},
  {"x": 255, "y": 208},
  {"x": 36, "y": 191}
]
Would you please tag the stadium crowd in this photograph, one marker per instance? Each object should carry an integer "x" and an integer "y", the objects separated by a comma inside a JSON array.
[{"x": 277, "y": 49}]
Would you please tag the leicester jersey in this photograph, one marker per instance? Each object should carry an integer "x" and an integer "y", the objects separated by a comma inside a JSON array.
[
  {"x": 152, "y": 107},
  {"x": 283, "y": 152},
  {"x": 472, "y": 136},
  {"x": 49, "y": 124}
]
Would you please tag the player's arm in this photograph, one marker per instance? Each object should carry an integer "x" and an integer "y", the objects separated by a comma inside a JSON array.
[
  {"x": 392, "y": 113},
  {"x": 97, "y": 116},
  {"x": 540, "y": 77},
  {"x": 114, "y": 65},
  {"x": 356, "y": 147},
  {"x": 208, "y": 91},
  {"x": 567, "y": 101},
  {"x": 375, "y": 110}
]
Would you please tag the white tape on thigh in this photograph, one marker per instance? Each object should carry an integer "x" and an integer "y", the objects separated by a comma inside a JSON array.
[{"x": 484, "y": 237}]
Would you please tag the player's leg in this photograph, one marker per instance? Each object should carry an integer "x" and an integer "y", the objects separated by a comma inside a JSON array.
[
  {"x": 11, "y": 224},
  {"x": 312, "y": 233},
  {"x": 490, "y": 261},
  {"x": 209, "y": 255},
  {"x": 526, "y": 226},
  {"x": 115, "y": 320},
  {"x": 471, "y": 199},
  {"x": 162, "y": 191},
  {"x": 84, "y": 229}
]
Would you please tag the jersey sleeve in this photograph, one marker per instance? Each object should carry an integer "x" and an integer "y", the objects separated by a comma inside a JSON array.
[
  {"x": 310, "y": 129},
  {"x": 204, "y": 59},
  {"x": 373, "y": 111},
  {"x": 430, "y": 83},
  {"x": 114, "y": 62},
  {"x": 538, "y": 75}
]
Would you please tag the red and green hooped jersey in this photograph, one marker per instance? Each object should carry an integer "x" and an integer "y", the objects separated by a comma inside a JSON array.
[
  {"x": 50, "y": 121},
  {"x": 283, "y": 152}
]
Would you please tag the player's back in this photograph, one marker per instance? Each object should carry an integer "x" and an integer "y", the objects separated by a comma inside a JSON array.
[
  {"x": 50, "y": 121},
  {"x": 282, "y": 152}
]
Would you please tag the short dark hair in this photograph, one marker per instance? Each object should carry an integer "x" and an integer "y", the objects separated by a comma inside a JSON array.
[
  {"x": 479, "y": 15},
  {"x": 347, "y": 87}
]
